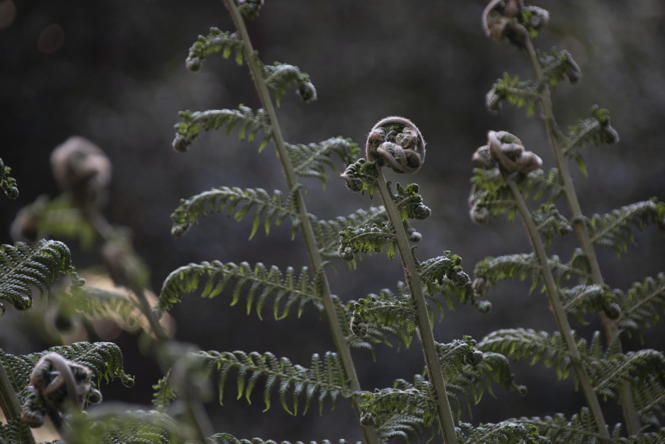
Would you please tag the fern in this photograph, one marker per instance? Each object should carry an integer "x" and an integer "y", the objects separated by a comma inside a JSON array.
[
  {"x": 360, "y": 176},
  {"x": 327, "y": 231},
  {"x": 499, "y": 433},
  {"x": 193, "y": 122},
  {"x": 314, "y": 159},
  {"x": 558, "y": 65},
  {"x": 444, "y": 274},
  {"x": 609, "y": 373},
  {"x": 7, "y": 182},
  {"x": 614, "y": 229},
  {"x": 550, "y": 223},
  {"x": 642, "y": 304},
  {"x": 259, "y": 283},
  {"x": 216, "y": 41},
  {"x": 579, "y": 428},
  {"x": 511, "y": 89},
  {"x": 583, "y": 299},
  {"x": 281, "y": 76},
  {"x": 593, "y": 130},
  {"x": 324, "y": 377},
  {"x": 163, "y": 392},
  {"x": 226, "y": 438},
  {"x": 269, "y": 209},
  {"x": 369, "y": 238},
  {"x": 24, "y": 266}
]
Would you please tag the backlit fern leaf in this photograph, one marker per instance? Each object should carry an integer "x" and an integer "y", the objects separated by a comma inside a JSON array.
[
  {"x": 578, "y": 429},
  {"x": 325, "y": 377},
  {"x": 216, "y": 41},
  {"x": 257, "y": 284},
  {"x": 269, "y": 209},
  {"x": 499, "y": 433},
  {"x": 249, "y": 122},
  {"x": 369, "y": 238},
  {"x": 27, "y": 266},
  {"x": 642, "y": 305},
  {"x": 7, "y": 182},
  {"x": 103, "y": 358},
  {"x": 314, "y": 159},
  {"x": 281, "y": 76},
  {"x": 614, "y": 229},
  {"x": 226, "y": 438},
  {"x": 327, "y": 231}
]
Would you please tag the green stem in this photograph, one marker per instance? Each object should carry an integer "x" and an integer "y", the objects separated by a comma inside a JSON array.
[
  {"x": 559, "y": 312},
  {"x": 341, "y": 345},
  {"x": 422, "y": 317},
  {"x": 609, "y": 326},
  {"x": 11, "y": 407}
]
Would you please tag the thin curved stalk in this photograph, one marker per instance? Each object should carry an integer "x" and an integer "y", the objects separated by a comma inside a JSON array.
[
  {"x": 558, "y": 310},
  {"x": 11, "y": 407},
  {"x": 341, "y": 345},
  {"x": 422, "y": 318},
  {"x": 609, "y": 326}
]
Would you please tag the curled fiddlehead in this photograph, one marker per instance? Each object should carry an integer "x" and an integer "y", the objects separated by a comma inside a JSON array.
[
  {"x": 513, "y": 20},
  {"x": 398, "y": 143},
  {"x": 507, "y": 151}
]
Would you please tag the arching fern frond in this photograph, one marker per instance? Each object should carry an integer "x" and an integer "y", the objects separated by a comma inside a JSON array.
[
  {"x": 578, "y": 429},
  {"x": 559, "y": 65},
  {"x": 216, "y": 41},
  {"x": 325, "y": 377},
  {"x": 269, "y": 209},
  {"x": 642, "y": 305},
  {"x": 249, "y": 122},
  {"x": 608, "y": 374},
  {"x": 370, "y": 238},
  {"x": 550, "y": 223},
  {"x": 257, "y": 284},
  {"x": 327, "y": 231},
  {"x": 520, "y": 93},
  {"x": 593, "y": 130},
  {"x": 314, "y": 159},
  {"x": 444, "y": 275},
  {"x": 583, "y": 299},
  {"x": 24, "y": 266},
  {"x": 7, "y": 182},
  {"x": 499, "y": 433},
  {"x": 615, "y": 229},
  {"x": 226, "y": 438},
  {"x": 281, "y": 76}
]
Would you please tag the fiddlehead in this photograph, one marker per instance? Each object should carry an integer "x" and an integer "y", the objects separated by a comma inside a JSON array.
[{"x": 397, "y": 143}]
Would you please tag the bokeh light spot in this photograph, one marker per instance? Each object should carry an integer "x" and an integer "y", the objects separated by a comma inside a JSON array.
[{"x": 51, "y": 39}]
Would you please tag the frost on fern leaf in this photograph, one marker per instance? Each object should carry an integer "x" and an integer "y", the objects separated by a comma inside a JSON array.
[
  {"x": 297, "y": 386},
  {"x": 256, "y": 284},
  {"x": 269, "y": 208},
  {"x": 27, "y": 266}
]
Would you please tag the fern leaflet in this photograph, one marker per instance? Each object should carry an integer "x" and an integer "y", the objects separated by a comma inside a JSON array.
[
  {"x": 578, "y": 429},
  {"x": 216, "y": 41},
  {"x": 327, "y": 231},
  {"x": 642, "y": 304},
  {"x": 313, "y": 159},
  {"x": 281, "y": 76},
  {"x": 499, "y": 433}
]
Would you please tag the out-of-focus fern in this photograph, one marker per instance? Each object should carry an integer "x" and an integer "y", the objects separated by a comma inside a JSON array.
[
  {"x": 256, "y": 284},
  {"x": 25, "y": 266},
  {"x": 280, "y": 77},
  {"x": 269, "y": 209},
  {"x": 583, "y": 299},
  {"x": 249, "y": 122},
  {"x": 327, "y": 231},
  {"x": 217, "y": 41},
  {"x": 558, "y": 65},
  {"x": 579, "y": 428},
  {"x": 7, "y": 182},
  {"x": 593, "y": 130},
  {"x": 615, "y": 229},
  {"x": 551, "y": 223},
  {"x": 226, "y": 438},
  {"x": 324, "y": 377},
  {"x": 163, "y": 392},
  {"x": 641, "y": 306},
  {"x": 517, "y": 92},
  {"x": 314, "y": 159},
  {"x": 503, "y": 432}
]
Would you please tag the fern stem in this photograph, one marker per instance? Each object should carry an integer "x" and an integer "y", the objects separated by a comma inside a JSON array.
[
  {"x": 11, "y": 407},
  {"x": 609, "y": 326},
  {"x": 558, "y": 310},
  {"x": 341, "y": 345},
  {"x": 422, "y": 318}
]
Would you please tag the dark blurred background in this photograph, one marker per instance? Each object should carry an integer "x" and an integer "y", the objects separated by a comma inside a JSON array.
[{"x": 113, "y": 71}]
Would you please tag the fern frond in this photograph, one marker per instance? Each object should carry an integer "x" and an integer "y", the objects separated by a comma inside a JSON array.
[
  {"x": 327, "y": 231},
  {"x": 7, "y": 182},
  {"x": 325, "y": 377},
  {"x": 550, "y": 223},
  {"x": 558, "y": 65},
  {"x": 444, "y": 275},
  {"x": 258, "y": 283},
  {"x": 250, "y": 8},
  {"x": 578, "y": 429},
  {"x": 520, "y": 93},
  {"x": 163, "y": 392},
  {"x": 583, "y": 299},
  {"x": 369, "y": 238},
  {"x": 269, "y": 209},
  {"x": 314, "y": 159},
  {"x": 649, "y": 396},
  {"x": 615, "y": 229},
  {"x": 24, "y": 266},
  {"x": 593, "y": 130},
  {"x": 281, "y": 76},
  {"x": 249, "y": 122},
  {"x": 103, "y": 358},
  {"x": 216, "y": 41},
  {"x": 97, "y": 303},
  {"x": 360, "y": 176},
  {"x": 499, "y": 433},
  {"x": 642, "y": 304},
  {"x": 608, "y": 374},
  {"x": 226, "y": 438}
]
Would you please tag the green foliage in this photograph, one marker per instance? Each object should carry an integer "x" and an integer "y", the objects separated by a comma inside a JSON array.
[
  {"x": 7, "y": 182},
  {"x": 249, "y": 8},
  {"x": 444, "y": 275},
  {"x": 226, "y": 438},
  {"x": 558, "y": 65},
  {"x": 520, "y": 93},
  {"x": 499, "y": 433},
  {"x": 280, "y": 77},
  {"x": 360, "y": 176},
  {"x": 327, "y": 231},
  {"x": 163, "y": 392},
  {"x": 249, "y": 122},
  {"x": 579, "y": 428},
  {"x": 325, "y": 377},
  {"x": 642, "y": 304},
  {"x": 409, "y": 202},
  {"x": 368, "y": 238},
  {"x": 269, "y": 209},
  {"x": 583, "y": 299},
  {"x": 257, "y": 284},
  {"x": 551, "y": 223},
  {"x": 314, "y": 159},
  {"x": 216, "y": 41},
  {"x": 615, "y": 229},
  {"x": 24, "y": 266},
  {"x": 591, "y": 131}
]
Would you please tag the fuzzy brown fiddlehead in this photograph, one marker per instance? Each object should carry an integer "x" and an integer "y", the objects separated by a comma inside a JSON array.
[
  {"x": 513, "y": 20},
  {"x": 397, "y": 143},
  {"x": 507, "y": 151}
]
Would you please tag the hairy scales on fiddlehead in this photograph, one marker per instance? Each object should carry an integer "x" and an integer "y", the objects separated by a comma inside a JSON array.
[
  {"x": 256, "y": 284},
  {"x": 396, "y": 142}
]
